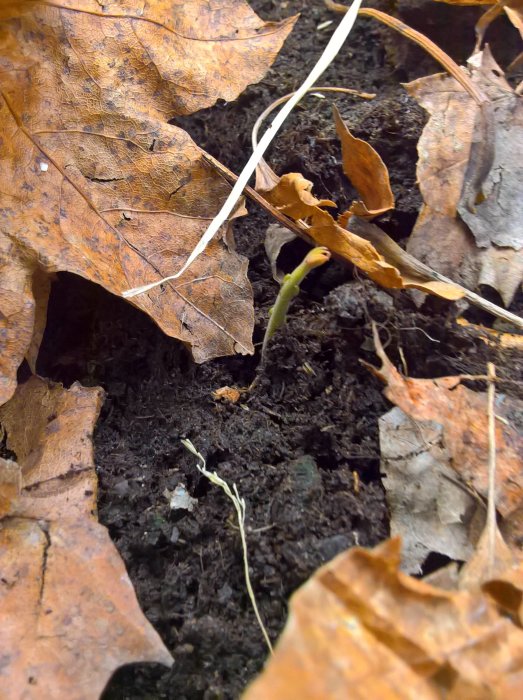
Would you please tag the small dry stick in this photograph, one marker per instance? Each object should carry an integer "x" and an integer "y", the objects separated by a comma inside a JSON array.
[
  {"x": 301, "y": 229},
  {"x": 491, "y": 505},
  {"x": 239, "y": 504}
]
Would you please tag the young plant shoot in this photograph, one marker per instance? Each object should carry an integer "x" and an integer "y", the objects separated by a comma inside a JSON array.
[{"x": 289, "y": 289}]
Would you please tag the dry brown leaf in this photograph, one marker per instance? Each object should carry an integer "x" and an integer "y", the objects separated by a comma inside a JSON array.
[
  {"x": 293, "y": 197},
  {"x": 69, "y": 614},
  {"x": 359, "y": 628},
  {"x": 14, "y": 8},
  {"x": 229, "y": 394},
  {"x": 506, "y": 588},
  {"x": 388, "y": 266},
  {"x": 10, "y": 485},
  {"x": 97, "y": 183},
  {"x": 463, "y": 415},
  {"x": 479, "y": 569},
  {"x": 514, "y": 10},
  {"x": 41, "y": 288},
  {"x": 367, "y": 172},
  {"x": 414, "y": 275},
  {"x": 470, "y": 226}
]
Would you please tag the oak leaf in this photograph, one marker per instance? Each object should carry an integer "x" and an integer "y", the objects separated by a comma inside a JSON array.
[
  {"x": 96, "y": 182},
  {"x": 69, "y": 614}
]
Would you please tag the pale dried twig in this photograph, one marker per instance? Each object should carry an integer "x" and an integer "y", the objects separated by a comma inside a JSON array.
[
  {"x": 491, "y": 505},
  {"x": 239, "y": 504}
]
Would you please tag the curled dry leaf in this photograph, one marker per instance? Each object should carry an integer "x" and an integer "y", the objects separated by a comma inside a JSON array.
[
  {"x": 387, "y": 264},
  {"x": 463, "y": 415},
  {"x": 514, "y": 10},
  {"x": 359, "y": 628},
  {"x": 69, "y": 614},
  {"x": 484, "y": 565},
  {"x": 96, "y": 182},
  {"x": 276, "y": 237},
  {"x": 367, "y": 172},
  {"x": 469, "y": 171}
]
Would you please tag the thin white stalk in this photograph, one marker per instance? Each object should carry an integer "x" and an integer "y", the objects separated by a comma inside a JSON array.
[
  {"x": 491, "y": 505},
  {"x": 239, "y": 504},
  {"x": 331, "y": 51}
]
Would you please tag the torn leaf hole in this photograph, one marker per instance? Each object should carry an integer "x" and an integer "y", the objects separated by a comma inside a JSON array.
[{"x": 104, "y": 179}]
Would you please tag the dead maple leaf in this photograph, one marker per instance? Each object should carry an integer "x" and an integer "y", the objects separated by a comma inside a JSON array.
[
  {"x": 389, "y": 265},
  {"x": 359, "y": 628},
  {"x": 469, "y": 172},
  {"x": 69, "y": 614},
  {"x": 96, "y": 182},
  {"x": 367, "y": 172},
  {"x": 463, "y": 415}
]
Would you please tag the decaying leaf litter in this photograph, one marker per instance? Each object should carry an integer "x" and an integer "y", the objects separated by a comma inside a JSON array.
[
  {"x": 335, "y": 304},
  {"x": 70, "y": 614}
]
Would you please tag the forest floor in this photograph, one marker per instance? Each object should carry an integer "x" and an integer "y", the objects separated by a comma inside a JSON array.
[{"x": 303, "y": 448}]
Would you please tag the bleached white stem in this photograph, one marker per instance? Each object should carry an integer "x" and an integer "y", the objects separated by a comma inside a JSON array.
[
  {"x": 331, "y": 51},
  {"x": 239, "y": 504}
]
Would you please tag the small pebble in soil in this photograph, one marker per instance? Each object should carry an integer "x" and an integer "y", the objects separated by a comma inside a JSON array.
[
  {"x": 305, "y": 478},
  {"x": 356, "y": 301},
  {"x": 329, "y": 547}
]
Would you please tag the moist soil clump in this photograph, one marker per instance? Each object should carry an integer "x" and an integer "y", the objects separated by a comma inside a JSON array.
[{"x": 303, "y": 447}]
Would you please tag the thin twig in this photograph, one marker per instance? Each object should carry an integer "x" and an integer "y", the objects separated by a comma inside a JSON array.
[
  {"x": 239, "y": 504},
  {"x": 263, "y": 116},
  {"x": 301, "y": 229},
  {"x": 491, "y": 505}
]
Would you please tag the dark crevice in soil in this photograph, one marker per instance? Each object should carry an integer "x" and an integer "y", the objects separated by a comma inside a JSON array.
[{"x": 303, "y": 448}]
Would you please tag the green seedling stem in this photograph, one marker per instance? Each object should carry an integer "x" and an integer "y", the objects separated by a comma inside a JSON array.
[{"x": 289, "y": 289}]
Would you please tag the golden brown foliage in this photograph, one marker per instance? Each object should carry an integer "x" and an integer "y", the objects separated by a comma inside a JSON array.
[
  {"x": 96, "y": 182},
  {"x": 359, "y": 628},
  {"x": 69, "y": 614}
]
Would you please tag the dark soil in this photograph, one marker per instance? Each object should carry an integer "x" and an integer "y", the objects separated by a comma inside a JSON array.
[{"x": 303, "y": 448}]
